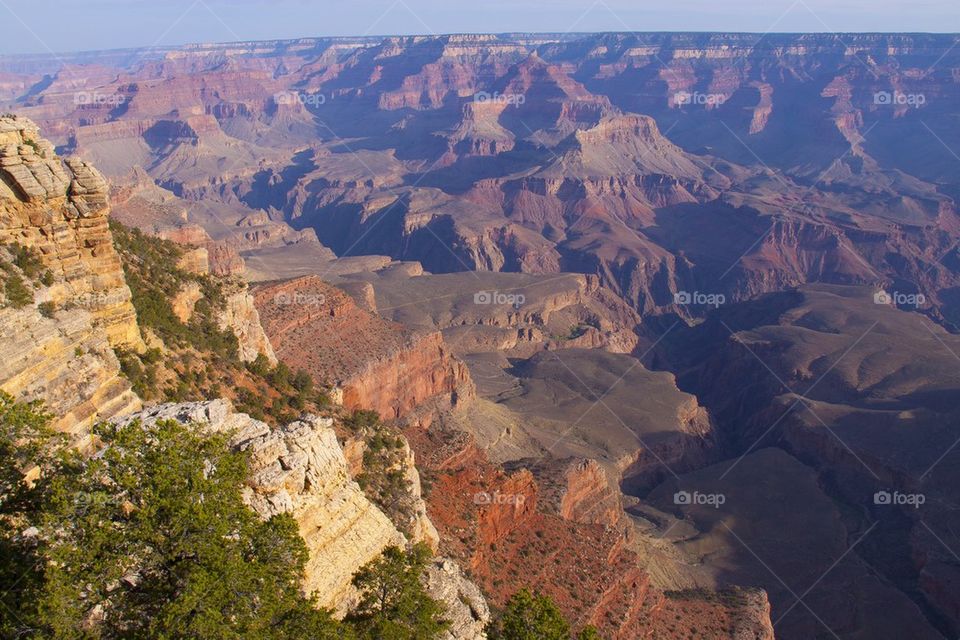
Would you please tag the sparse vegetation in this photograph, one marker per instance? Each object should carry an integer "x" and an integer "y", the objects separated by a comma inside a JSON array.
[
  {"x": 588, "y": 633},
  {"x": 732, "y": 598},
  {"x": 576, "y": 331},
  {"x": 33, "y": 145},
  {"x": 22, "y": 270},
  {"x": 529, "y": 616},
  {"x": 16, "y": 291},
  {"x": 149, "y": 265},
  {"x": 200, "y": 360},
  {"x": 141, "y": 371},
  {"x": 28, "y": 261},
  {"x": 151, "y": 539},
  {"x": 384, "y": 476},
  {"x": 361, "y": 420}
]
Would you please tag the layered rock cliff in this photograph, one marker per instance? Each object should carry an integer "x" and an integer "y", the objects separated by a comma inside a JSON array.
[
  {"x": 519, "y": 314},
  {"x": 66, "y": 308},
  {"x": 60, "y": 347},
  {"x": 376, "y": 364},
  {"x": 66, "y": 361},
  {"x": 62, "y": 212},
  {"x": 241, "y": 317}
]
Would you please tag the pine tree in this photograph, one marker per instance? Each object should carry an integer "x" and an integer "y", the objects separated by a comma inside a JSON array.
[
  {"x": 394, "y": 604},
  {"x": 530, "y": 617}
]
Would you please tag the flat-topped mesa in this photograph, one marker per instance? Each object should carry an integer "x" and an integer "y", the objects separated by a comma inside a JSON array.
[
  {"x": 61, "y": 212},
  {"x": 626, "y": 144},
  {"x": 378, "y": 364}
]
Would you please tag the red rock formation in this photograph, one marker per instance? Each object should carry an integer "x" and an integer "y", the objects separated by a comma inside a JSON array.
[
  {"x": 498, "y": 525},
  {"x": 378, "y": 365},
  {"x": 588, "y": 497}
]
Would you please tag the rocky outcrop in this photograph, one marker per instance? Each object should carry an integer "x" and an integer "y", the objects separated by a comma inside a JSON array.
[
  {"x": 62, "y": 214},
  {"x": 518, "y": 314},
  {"x": 753, "y": 621},
  {"x": 466, "y": 608},
  {"x": 67, "y": 362},
  {"x": 378, "y": 365},
  {"x": 64, "y": 355},
  {"x": 693, "y": 446},
  {"x": 421, "y": 368},
  {"x": 480, "y": 132},
  {"x": 240, "y": 316},
  {"x": 186, "y": 299},
  {"x": 195, "y": 260},
  {"x": 300, "y": 469},
  {"x": 577, "y": 490},
  {"x": 421, "y": 529}
]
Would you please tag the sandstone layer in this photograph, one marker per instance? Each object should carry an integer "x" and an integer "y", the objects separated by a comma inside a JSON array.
[
  {"x": 62, "y": 353},
  {"x": 67, "y": 362},
  {"x": 241, "y": 317},
  {"x": 63, "y": 214}
]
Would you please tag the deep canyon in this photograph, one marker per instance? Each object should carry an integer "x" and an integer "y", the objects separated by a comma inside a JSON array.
[{"x": 668, "y": 322}]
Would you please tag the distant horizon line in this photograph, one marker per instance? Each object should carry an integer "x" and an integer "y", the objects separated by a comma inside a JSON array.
[{"x": 557, "y": 34}]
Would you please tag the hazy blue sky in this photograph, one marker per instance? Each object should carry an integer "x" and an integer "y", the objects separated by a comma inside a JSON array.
[{"x": 31, "y": 26}]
